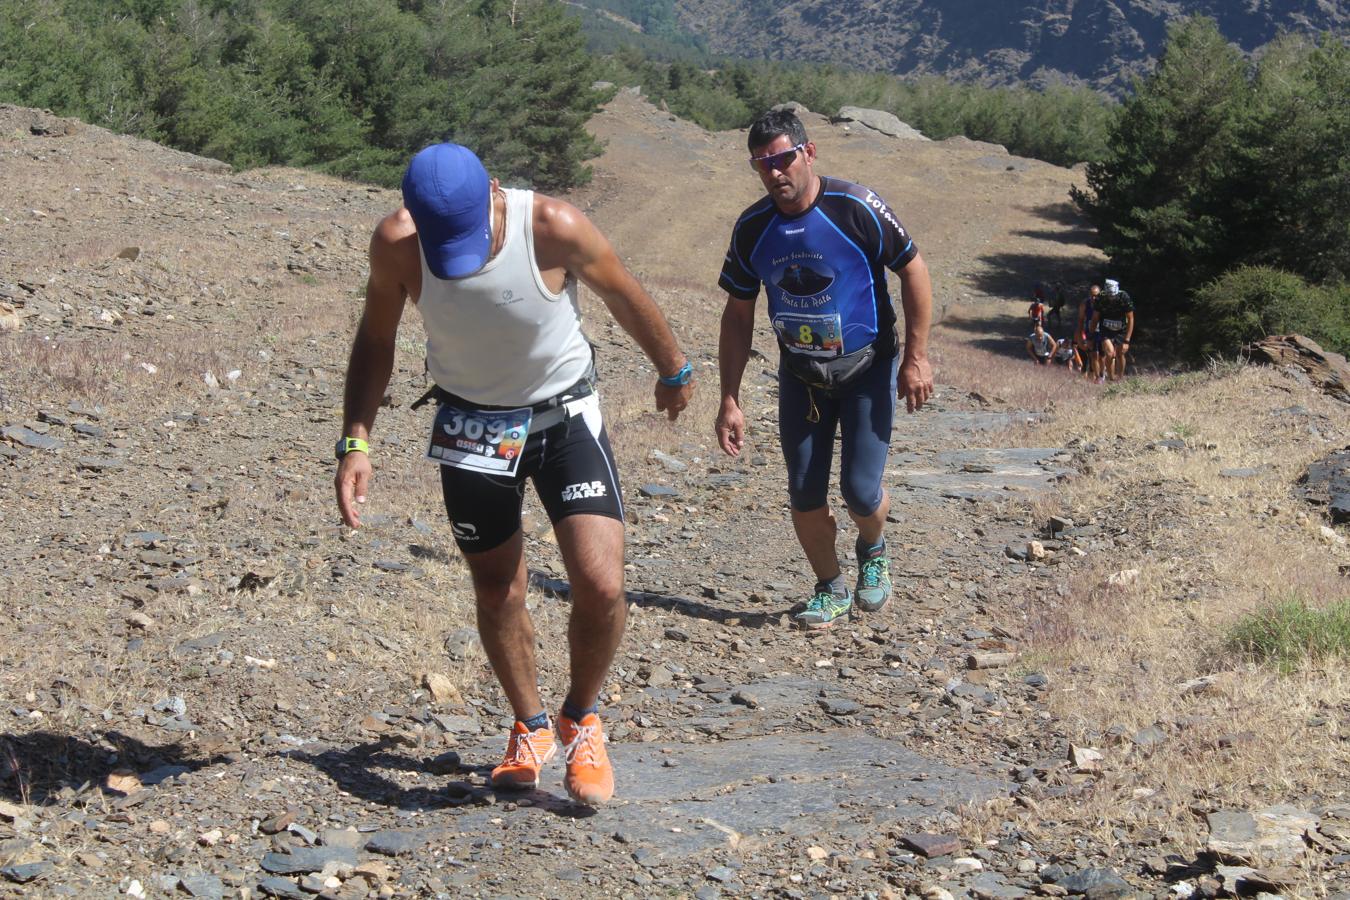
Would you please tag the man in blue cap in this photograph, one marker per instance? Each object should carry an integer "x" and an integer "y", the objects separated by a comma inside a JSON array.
[{"x": 494, "y": 274}]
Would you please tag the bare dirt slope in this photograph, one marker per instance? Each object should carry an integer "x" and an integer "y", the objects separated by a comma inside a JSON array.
[{"x": 209, "y": 687}]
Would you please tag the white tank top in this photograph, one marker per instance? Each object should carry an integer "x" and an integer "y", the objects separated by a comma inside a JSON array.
[{"x": 500, "y": 337}]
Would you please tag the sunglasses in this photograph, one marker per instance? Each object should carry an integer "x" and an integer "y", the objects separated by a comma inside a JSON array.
[{"x": 779, "y": 161}]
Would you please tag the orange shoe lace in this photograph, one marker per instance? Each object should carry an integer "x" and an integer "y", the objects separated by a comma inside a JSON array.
[
  {"x": 587, "y": 748},
  {"x": 520, "y": 749}
]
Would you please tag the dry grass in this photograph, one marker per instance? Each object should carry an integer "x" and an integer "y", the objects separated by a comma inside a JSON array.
[
  {"x": 1019, "y": 382},
  {"x": 1210, "y": 551}
]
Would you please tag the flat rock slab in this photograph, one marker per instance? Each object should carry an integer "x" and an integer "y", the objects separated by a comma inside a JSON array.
[
  {"x": 1327, "y": 483},
  {"x": 678, "y": 800},
  {"x": 304, "y": 860},
  {"x": 988, "y": 474},
  {"x": 1271, "y": 834}
]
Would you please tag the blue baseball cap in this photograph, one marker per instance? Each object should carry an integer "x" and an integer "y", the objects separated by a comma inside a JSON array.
[{"x": 447, "y": 191}]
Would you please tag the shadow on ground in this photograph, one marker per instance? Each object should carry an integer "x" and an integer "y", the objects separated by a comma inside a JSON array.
[
  {"x": 1062, "y": 213},
  {"x": 1014, "y": 274},
  {"x": 694, "y": 609},
  {"x": 356, "y": 771},
  {"x": 1004, "y": 335},
  {"x": 38, "y": 766}
]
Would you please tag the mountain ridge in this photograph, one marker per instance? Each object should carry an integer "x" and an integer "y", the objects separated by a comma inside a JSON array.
[{"x": 1101, "y": 43}]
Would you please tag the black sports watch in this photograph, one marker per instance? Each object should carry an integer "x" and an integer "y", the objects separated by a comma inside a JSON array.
[{"x": 346, "y": 445}]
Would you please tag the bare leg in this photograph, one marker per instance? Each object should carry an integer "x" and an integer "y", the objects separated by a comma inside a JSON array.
[
  {"x": 504, "y": 623},
  {"x": 816, "y": 532},
  {"x": 592, "y": 551},
  {"x": 870, "y": 527}
]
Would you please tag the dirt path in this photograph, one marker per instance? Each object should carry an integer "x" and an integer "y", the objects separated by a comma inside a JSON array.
[{"x": 211, "y": 688}]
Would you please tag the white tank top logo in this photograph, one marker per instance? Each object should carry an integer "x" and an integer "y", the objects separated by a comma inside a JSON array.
[{"x": 500, "y": 337}]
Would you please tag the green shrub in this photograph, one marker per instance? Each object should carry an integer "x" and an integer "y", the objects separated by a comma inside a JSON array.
[
  {"x": 1287, "y": 633},
  {"x": 1252, "y": 302},
  {"x": 1219, "y": 161}
]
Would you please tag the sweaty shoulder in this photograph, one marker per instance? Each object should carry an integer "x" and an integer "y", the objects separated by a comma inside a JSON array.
[
  {"x": 563, "y": 236},
  {"x": 393, "y": 249},
  {"x": 557, "y": 220}
]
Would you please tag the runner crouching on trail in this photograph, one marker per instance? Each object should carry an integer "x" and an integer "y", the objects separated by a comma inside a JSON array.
[{"x": 494, "y": 274}]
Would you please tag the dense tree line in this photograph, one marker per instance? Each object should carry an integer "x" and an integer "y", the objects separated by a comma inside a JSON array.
[
  {"x": 1062, "y": 125},
  {"x": 351, "y": 88},
  {"x": 1226, "y": 187}
]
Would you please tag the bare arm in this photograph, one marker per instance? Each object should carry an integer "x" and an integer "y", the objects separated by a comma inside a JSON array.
[
  {"x": 916, "y": 298},
  {"x": 733, "y": 352},
  {"x": 565, "y": 238},
  {"x": 372, "y": 357}
]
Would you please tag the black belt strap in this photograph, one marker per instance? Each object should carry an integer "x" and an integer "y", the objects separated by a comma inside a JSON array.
[{"x": 583, "y": 388}]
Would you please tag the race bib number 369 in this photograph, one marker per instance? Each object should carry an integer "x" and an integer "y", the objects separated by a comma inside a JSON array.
[{"x": 478, "y": 439}]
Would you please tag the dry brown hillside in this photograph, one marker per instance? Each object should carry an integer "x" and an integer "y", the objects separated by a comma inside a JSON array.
[{"x": 210, "y": 688}]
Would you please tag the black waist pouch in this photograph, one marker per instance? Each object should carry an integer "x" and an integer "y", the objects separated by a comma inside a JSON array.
[{"x": 840, "y": 371}]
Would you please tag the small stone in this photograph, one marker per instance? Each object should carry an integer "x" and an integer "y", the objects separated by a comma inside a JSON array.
[
  {"x": 442, "y": 688},
  {"x": 1098, "y": 883},
  {"x": 304, "y": 860},
  {"x": 375, "y": 871},
  {"x": 202, "y": 884},
  {"x": 931, "y": 845},
  {"x": 29, "y": 438},
  {"x": 280, "y": 887},
  {"x": 1085, "y": 759},
  {"x": 396, "y": 843},
  {"x": 743, "y": 698},
  {"x": 140, "y": 621},
  {"x": 1035, "y": 550},
  {"x": 447, "y": 763},
  {"x": 722, "y": 874},
  {"x": 816, "y": 854},
  {"x": 278, "y": 823},
  {"x": 838, "y": 706},
  {"x": 1149, "y": 737},
  {"x": 25, "y": 872}
]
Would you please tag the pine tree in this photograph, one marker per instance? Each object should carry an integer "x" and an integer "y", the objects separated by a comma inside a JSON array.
[{"x": 1158, "y": 199}]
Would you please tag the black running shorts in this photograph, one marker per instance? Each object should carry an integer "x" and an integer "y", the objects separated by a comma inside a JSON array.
[{"x": 571, "y": 465}]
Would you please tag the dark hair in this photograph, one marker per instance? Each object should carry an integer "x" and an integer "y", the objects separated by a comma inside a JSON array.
[{"x": 773, "y": 123}]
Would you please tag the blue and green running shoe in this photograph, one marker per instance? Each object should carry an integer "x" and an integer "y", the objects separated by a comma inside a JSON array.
[
  {"x": 874, "y": 582},
  {"x": 824, "y": 609}
]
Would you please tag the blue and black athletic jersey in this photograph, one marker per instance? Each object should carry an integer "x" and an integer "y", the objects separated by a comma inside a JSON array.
[{"x": 823, "y": 270}]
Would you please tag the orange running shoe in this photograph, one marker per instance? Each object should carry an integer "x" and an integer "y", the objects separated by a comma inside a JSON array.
[
  {"x": 526, "y": 753},
  {"x": 590, "y": 778}
]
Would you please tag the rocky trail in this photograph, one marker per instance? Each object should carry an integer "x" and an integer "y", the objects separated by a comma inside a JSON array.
[{"x": 211, "y": 689}]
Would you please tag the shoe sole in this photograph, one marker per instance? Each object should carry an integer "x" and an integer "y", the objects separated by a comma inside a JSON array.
[
  {"x": 587, "y": 801},
  {"x": 821, "y": 626}
]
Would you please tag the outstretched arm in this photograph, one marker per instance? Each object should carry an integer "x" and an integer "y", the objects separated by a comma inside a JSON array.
[
  {"x": 916, "y": 298},
  {"x": 565, "y": 238},
  {"x": 372, "y": 358}
]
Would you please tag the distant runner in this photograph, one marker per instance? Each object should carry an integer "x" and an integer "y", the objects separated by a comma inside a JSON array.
[
  {"x": 494, "y": 274},
  {"x": 820, "y": 247},
  {"x": 1114, "y": 316},
  {"x": 1040, "y": 345},
  {"x": 1066, "y": 354},
  {"x": 1089, "y": 340}
]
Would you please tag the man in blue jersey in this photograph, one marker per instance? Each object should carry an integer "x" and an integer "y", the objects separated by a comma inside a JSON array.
[{"x": 820, "y": 247}]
